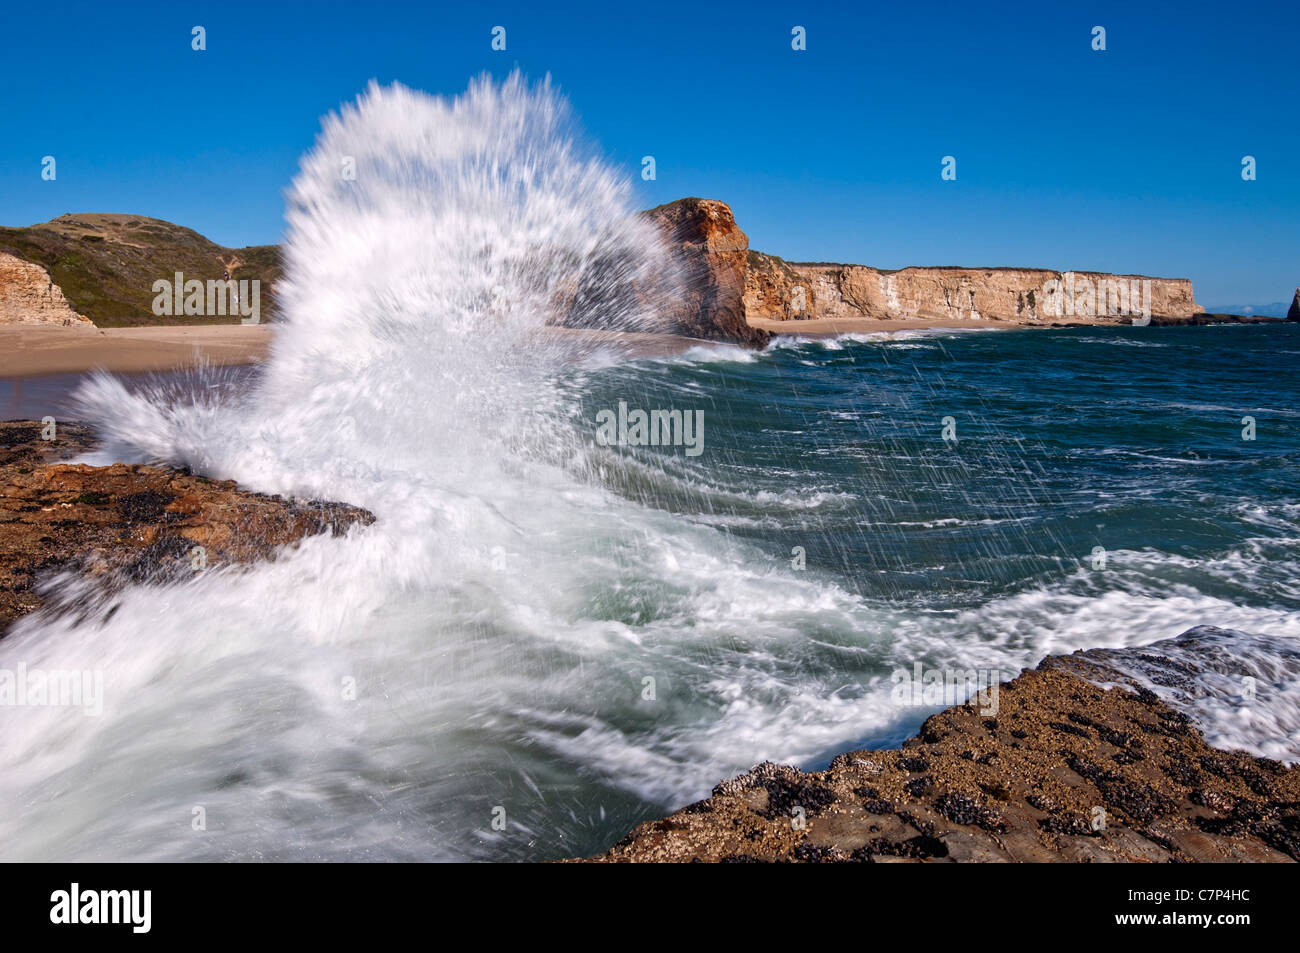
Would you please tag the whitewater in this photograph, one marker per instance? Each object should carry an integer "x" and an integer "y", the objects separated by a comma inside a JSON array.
[{"x": 542, "y": 641}]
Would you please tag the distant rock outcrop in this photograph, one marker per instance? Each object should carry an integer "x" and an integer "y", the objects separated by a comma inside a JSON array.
[
  {"x": 1293, "y": 313},
  {"x": 711, "y": 252}
]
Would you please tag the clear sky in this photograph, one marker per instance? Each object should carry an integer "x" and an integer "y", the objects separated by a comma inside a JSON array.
[{"x": 1124, "y": 160}]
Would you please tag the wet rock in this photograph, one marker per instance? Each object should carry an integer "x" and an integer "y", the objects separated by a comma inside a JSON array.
[
  {"x": 917, "y": 786},
  {"x": 128, "y": 523},
  {"x": 964, "y": 810},
  {"x": 994, "y": 793}
]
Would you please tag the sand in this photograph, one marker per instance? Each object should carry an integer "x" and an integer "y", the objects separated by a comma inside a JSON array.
[
  {"x": 34, "y": 351},
  {"x": 27, "y": 351}
]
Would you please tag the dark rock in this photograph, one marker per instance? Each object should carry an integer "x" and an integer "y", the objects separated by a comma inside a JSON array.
[
  {"x": 129, "y": 523},
  {"x": 1061, "y": 794}
]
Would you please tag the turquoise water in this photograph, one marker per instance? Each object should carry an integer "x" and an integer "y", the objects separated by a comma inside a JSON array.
[{"x": 1130, "y": 439}]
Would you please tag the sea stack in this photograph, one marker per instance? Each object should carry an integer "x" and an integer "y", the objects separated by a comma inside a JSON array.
[
  {"x": 712, "y": 252},
  {"x": 1294, "y": 313}
]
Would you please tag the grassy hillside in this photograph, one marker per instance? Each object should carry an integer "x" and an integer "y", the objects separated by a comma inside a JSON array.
[{"x": 106, "y": 264}]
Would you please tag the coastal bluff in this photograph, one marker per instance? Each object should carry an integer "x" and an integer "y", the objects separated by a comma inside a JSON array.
[
  {"x": 738, "y": 294},
  {"x": 29, "y": 296},
  {"x": 782, "y": 291},
  {"x": 729, "y": 278},
  {"x": 712, "y": 254},
  {"x": 95, "y": 269},
  {"x": 100, "y": 268}
]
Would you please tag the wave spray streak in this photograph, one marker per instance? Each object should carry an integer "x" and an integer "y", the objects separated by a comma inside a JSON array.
[{"x": 432, "y": 247}]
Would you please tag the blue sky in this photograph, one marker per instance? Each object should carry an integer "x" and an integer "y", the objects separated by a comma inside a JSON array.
[{"x": 1123, "y": 160}]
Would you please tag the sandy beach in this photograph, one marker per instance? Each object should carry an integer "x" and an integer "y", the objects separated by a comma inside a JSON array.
[{"x": 27, "y": 351}]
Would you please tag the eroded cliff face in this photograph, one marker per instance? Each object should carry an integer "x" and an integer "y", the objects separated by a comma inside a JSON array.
[
  {"x": 711, "y": 252},
  {"x": 726, "y": 285},
  {"x": 785, "y": 291},
  {"x": 29, "y": 296},
  {"x": 730, "y": 285}
]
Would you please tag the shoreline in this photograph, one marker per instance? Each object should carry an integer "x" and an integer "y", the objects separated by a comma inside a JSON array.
[
  {"x": 1071, "y": 761},
  {"x": 830, "y": 327},
  {"x": 34, "y": 351},
  {"x": 31, "y": 351},
  {"x": 833, "y": 327}
]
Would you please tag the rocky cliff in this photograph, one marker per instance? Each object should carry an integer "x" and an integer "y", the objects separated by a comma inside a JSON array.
[
  {"x": 731, "y": 285},
  {"x": 1067, "y": 770},
  {"x": 786, "y": 291},
  {"x": 28, "y": 295},
  {"x": 103, "y": 267},
  {"x": 1293, "y": 313},
  {"x": 712, "y": 254}
]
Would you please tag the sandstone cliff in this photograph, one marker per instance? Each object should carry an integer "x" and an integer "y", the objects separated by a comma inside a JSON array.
[
  {"x": 103, "y": 267},
  {"x": 712, "y": 253},
  {"x": 731, "y": 285},
  {"x": 784, "y": 291},
  {"x": 28, "y": 295}
]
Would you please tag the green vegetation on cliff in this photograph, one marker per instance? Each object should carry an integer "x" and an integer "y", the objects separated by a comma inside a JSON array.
[{"x": 107, "y": 264}]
